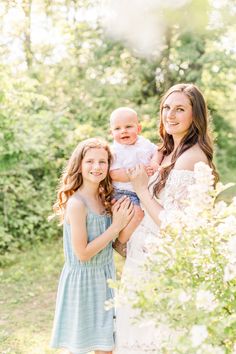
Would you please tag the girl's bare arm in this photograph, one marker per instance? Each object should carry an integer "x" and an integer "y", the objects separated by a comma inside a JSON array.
[{"x": 76, "y": 215}]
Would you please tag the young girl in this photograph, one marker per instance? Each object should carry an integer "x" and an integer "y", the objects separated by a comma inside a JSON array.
[{"x": 81, "y": 323}]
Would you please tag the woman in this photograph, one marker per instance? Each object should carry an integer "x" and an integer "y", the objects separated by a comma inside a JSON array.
[{"x": 185, "y": 141}]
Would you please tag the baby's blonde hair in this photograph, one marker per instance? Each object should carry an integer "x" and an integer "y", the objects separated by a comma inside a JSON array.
[{"x": 122, "y": 109}]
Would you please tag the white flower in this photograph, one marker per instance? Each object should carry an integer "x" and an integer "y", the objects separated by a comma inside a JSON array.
[
  {"x": 230, "y": 272},
  {"x": 234, "y": 348},
  {"x": 198, "y": 334},
  {"x": 199, "y": 197},
  {"x": 193, "y": 219},
  {"x": 203, "y": 174},
  {"x": 228, "y": 227},
  {"x": 205, "y": 300},
  {"x": 210, "y": 349},
  {"x": 232, "y": 245},
  {"x": 170, "y": 217},
  {"x": 184, "y": 297},
  {"x": 219, "y": 208}
]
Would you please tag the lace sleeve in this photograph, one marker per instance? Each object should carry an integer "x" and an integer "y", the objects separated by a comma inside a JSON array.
[{"x": 174, "y": 195}]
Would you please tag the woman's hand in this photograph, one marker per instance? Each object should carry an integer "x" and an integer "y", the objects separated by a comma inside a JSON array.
[
  {"x": 139, "y": 178},
  {"x": 122, "y": 212}
]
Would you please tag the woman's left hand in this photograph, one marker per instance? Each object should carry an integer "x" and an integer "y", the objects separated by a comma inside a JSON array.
[{"x": 139, "y": 178}]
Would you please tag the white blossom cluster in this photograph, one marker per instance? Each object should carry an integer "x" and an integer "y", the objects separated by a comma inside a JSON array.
[{"x": 188, "y": 284}]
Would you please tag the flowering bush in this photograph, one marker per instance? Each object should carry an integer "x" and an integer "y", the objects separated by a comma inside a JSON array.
[{"x": 189, "y": 283}]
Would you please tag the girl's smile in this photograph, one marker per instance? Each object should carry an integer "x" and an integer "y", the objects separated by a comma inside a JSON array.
[{"x": 94, "y": 166}]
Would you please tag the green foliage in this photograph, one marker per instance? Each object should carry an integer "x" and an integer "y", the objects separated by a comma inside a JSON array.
[
  {"x": 47, "y": 108},
  {"x": 225, "y": 139}
]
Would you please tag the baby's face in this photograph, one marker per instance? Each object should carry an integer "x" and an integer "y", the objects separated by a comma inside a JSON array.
[{"x": 125, "y": 128}]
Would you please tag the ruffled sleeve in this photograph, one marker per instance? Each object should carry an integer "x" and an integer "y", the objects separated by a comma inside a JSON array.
[{"x": 175, "y": 194}]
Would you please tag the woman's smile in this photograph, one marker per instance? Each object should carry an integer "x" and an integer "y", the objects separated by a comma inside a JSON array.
[{"x": 177, "y": 114}]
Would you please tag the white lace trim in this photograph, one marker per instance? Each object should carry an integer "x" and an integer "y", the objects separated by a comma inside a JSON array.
[{"x": 176, "y": 192}]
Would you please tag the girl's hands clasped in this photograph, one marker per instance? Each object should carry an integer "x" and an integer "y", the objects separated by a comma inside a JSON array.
[{"x": 122, "y": 212}]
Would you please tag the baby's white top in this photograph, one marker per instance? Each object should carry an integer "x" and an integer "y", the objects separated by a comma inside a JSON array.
[{"x": 127, "y": 156}]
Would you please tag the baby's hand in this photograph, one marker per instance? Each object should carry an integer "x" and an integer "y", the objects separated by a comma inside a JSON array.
[
  {"x": 155, "y": 166},
  {"x": 152, "y": 168},
  {"x": 155, "y": 162},
  {"x": 149, "y": 170}
]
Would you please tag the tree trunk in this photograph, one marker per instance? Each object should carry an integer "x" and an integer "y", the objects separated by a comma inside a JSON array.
[{"x": 27, "y": 44}]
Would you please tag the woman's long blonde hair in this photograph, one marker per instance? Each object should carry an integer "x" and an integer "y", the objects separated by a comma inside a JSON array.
[
  {"x": 198, "y": 133},
  {"x": 71, "y": 179}
]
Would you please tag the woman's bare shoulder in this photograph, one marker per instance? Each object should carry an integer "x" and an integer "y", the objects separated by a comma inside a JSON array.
[{"x": 191, "y": 156}]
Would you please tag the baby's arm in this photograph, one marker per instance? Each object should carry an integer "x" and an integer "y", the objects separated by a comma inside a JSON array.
[
  {"x": 119, "y": 175},
  {"x": 117, "y": 169}
]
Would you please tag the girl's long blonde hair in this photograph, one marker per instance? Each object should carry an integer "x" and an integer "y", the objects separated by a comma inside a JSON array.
[
  {"x": 71, "y": 179},
  {"x": 197, "y": 133}
]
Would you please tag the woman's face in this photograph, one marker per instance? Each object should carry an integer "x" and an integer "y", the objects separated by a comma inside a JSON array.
[{"x": 176, "y": 114}]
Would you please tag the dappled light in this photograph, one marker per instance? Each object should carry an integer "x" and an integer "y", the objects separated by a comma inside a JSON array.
[{"x": 65, "y": 65}]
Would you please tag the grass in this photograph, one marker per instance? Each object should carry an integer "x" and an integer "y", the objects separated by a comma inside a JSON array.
[
  {"x": 27, "y": 293},
  {"x": 27, "y": 299},
  {"x": 27, "y": 296}
]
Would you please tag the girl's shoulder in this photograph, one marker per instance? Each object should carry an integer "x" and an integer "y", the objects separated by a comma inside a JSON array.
[
  {"x": 75, "y": 204},
  {"x": 190, "y": 157}
]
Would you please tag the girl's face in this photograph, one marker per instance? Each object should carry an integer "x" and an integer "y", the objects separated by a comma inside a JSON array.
[
  {"x": 177, "y": 114},
  {"x": 94, "y": 166}
]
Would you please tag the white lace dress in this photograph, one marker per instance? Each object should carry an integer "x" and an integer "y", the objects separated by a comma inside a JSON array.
[{"x": 143, "y": 338}]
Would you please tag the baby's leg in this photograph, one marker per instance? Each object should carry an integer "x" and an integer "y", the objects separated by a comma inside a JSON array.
[
  {"x": 102, "y": 352},
  {"x": 134, "y": 222}
]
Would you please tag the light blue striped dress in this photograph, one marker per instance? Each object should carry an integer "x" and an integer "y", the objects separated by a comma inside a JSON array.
[{"x": 81, "y": 323}]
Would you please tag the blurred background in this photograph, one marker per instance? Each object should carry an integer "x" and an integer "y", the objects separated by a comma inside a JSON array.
[{"x": 64, "y": 66}]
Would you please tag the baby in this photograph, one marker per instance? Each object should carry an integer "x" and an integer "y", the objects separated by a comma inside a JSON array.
[{"x": 129, "y": 149}]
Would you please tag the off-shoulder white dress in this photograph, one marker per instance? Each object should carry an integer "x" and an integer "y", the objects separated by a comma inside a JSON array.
[{"x": 143, "y": 338}]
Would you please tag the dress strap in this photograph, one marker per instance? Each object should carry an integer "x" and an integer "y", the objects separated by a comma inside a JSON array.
[
  {"x": 89, "y": 210},
  {"x": 83, "y": 200}
]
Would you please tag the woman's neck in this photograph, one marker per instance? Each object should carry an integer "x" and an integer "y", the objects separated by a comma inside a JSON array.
[{"x": 177, "y": 141}]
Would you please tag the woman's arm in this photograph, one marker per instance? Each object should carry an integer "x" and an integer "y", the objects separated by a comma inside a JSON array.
[{"x": 139, "y": 180}]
